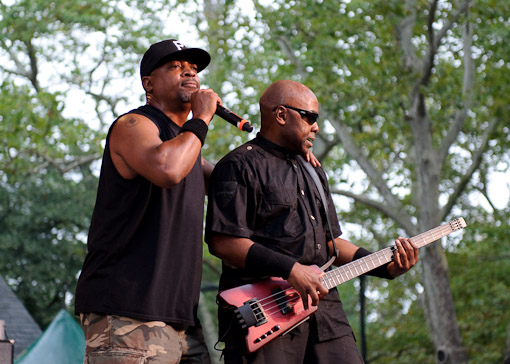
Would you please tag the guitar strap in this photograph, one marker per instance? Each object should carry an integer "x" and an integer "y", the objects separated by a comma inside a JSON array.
[{"x": 313, "y": 173}]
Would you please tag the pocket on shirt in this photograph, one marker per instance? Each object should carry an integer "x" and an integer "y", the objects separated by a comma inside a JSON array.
[
  {"x": 225, "y": 193},
  {"x": 279, "y": 212}
]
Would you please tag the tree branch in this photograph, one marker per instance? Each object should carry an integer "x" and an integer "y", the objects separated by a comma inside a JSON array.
[
  {"x": 430, "y": 20},
  {"x": 287, "y": 49},
  {"x": 34, "y": 70},
  {"x": 381, "y": 241},
  {"x": 63, "y": 167},
  {"x": 485, "y": 194},
  {"x": 20, "y": 71},
  {"x": 404, "y": 34},
  {"x": 398, "y": 215},
  {"x": 448, "y": 24},
  {"x": 323, "y": 146},
  {"x": 477, "y": 160},
  {"x": 355, "y": 153},
  {"x": 436, "y": 39},
  {"x": 428, "y": 60},
  {"x": 467, "y": 91}
]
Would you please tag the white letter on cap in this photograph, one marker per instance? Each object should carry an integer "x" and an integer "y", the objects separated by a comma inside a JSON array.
[{"x": 179, "y": 45}]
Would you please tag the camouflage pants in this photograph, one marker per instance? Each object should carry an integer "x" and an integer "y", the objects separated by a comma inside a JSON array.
[{"x": 114, "y": 340}]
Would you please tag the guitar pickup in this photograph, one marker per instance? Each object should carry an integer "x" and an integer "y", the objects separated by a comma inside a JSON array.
[
  {"x": 250, "y": 314},
  {"x": 281, "y": 300}
]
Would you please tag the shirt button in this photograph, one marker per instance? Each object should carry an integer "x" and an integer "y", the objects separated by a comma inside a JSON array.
[
  {"x": 318, "y": 246},
  {"x": 302, "y": 192},
  {"x": 249, "y": 147},
  {"x": 312, "y": 217}
]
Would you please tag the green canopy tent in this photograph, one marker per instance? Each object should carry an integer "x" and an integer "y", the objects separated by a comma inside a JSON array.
[{"x": 62, "y": 342}]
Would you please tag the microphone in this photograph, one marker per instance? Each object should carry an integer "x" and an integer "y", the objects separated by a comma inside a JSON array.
[{"x": 236, "y": 120}]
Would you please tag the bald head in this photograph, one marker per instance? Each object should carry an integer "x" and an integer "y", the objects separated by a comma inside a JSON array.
[
  {"x": 284, "y": 92},
  {"x": 284, "y": 120}
]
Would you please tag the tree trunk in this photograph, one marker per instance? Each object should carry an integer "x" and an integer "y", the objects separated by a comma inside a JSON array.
[{"x": 439, "y": 307}]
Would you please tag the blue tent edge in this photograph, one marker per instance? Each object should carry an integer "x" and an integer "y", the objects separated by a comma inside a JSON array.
[{"x": 62, "y": 339}]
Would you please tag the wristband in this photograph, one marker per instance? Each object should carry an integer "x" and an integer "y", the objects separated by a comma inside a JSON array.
[
  {"x": 266, "y": 262},
  {"x": 197, "y": 127},
  {"x": 381, "y": 272}
]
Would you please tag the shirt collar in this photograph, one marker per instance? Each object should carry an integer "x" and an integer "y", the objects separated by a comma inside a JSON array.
[{"x": 273, "y": 148}]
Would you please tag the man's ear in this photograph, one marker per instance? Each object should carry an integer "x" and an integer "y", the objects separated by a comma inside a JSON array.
[
  {"x": 280, "y": 115},
  {"x": 147, "y": 83}
]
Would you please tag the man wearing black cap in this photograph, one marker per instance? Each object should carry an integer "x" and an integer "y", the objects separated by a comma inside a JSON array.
[{"x": 138, "y": 291}]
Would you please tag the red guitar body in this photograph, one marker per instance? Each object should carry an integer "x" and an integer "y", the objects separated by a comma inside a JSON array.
[
  {"x": 266, "y": 309},
  {"x": 270, "y": 308}
]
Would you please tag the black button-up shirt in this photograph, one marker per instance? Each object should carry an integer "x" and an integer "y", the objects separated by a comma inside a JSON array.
[{"x": 261, "y": 192}]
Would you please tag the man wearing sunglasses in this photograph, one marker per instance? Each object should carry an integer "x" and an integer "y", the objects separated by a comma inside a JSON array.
[{"x": 266, "y": 218}]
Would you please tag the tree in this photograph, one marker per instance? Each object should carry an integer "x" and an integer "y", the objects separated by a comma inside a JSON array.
[
  {"x": 412, "y": 98},
  {"x": 46, "y": 200}
]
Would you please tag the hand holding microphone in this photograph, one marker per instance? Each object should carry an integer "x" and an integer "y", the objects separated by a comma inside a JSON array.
[
  {"x": 236, "y": 120},
  {"x": 202, "y": 106}
]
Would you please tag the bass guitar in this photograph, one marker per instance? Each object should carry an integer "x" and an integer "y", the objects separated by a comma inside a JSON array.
[{"x": 271, "y": 307}]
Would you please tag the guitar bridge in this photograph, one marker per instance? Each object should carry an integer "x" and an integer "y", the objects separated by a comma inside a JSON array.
[{"x": 250, "y": 314}]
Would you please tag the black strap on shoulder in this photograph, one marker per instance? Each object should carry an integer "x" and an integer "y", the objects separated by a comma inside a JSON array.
[{"x": 313, "y": 173}]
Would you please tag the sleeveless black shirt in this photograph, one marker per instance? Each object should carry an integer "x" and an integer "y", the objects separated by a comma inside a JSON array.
[{"x": 144, "y": 255}]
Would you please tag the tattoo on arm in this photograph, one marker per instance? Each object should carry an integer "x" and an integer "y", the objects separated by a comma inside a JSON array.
[{"x": 131, "y": 122}]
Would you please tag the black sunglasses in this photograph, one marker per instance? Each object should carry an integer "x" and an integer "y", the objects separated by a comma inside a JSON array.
[{"x": 310, "y": 116}]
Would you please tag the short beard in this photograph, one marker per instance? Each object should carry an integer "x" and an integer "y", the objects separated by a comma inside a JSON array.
[{"x": 185, "y": 96}]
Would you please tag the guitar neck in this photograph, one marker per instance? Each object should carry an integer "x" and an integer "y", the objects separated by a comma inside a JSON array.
[{"x": 360, "y": 266}]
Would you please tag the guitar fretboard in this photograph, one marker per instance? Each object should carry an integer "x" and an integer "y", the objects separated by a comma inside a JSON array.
[{"x": 360, "y": 266}]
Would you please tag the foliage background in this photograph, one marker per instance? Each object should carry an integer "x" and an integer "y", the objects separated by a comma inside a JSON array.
[{"x": 68, "y": 68}]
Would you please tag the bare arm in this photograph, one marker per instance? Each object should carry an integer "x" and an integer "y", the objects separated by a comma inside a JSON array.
[
  {"x": 207, "y": 168},
  {"x": 136, "y": 148},
  {"x": 346, "y": 251},
  {"x": 230, "y": 249}
]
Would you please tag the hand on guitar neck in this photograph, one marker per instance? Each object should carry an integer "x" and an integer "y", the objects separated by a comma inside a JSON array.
[
  {"x": 404, "y": 258},
  {"x": 306, "y": 280}
]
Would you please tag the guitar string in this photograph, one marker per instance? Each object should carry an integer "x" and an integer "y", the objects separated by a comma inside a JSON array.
[
  {"x": 445, "y": 230},
  {"x": 329, "y": 277},
  {"x": 273, "y": 310},
  {"x": 357, "y": 264},
  {"x": 269, "y": 310}
]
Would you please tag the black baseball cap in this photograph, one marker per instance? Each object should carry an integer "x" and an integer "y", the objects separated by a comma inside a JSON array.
[{"x": 166, "y": 50}]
